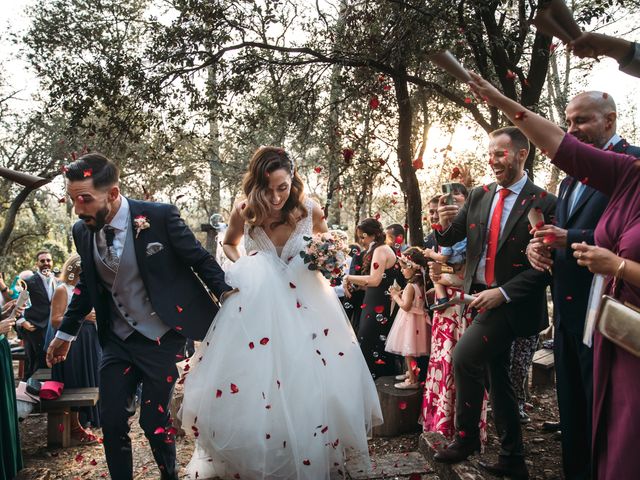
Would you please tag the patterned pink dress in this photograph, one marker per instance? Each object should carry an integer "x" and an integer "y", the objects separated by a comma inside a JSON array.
[
  {"x": 439, "y": 401},
  {"x": 410, "y": 334}
]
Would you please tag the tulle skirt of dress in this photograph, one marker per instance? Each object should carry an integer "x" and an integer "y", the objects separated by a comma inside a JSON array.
[{"x": 279, "y": 388}]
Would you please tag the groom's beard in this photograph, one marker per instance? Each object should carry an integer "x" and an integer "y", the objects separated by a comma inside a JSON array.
[{"x": 99, "y": 219}]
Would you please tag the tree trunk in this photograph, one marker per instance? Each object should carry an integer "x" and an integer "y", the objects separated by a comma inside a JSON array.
[
  {"x": 10, "y": 219},
  {"x": 408, "y": 175},
  {"x": 332, "y": 208},
  {"x": 213, "y": 155}
]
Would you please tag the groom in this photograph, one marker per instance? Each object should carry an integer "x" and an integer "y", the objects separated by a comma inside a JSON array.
[{"x": 143, "y": 271}]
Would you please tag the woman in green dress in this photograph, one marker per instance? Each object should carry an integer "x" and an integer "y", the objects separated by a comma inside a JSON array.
[{"x": 10, "y": 455}]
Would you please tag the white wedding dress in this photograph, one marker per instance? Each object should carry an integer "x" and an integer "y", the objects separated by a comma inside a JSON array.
[{"x": 278, "y": 388}]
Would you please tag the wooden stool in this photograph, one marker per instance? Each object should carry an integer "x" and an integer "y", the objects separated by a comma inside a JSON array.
[
  {"x": 400, "y": 408},
  {"x": 543, "y": 372}
]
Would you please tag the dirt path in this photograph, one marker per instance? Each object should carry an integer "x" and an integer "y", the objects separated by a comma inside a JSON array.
[{"x": 87, "y": 462}]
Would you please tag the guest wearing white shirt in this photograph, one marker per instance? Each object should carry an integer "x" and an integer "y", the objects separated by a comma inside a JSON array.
[{"x": 41, "y": 287}]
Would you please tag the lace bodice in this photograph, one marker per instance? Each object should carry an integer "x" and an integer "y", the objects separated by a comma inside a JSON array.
[{"x": 258, "y": 240}]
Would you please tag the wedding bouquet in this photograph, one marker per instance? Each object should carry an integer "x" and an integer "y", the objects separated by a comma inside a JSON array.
[{"x": 327, "y": 253}]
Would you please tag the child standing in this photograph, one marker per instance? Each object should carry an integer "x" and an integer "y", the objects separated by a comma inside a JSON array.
[
  {"x": 410, "y": 335},
  {"x": 453, "y": 256}
]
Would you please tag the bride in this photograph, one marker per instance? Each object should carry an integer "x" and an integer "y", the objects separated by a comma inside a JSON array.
[{"x": 278, "y": 388}]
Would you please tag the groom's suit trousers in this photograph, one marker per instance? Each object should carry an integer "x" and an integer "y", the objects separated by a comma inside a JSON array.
[{"x": 126, "y": 364}]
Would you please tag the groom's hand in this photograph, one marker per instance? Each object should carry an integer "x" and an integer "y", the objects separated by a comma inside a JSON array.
[{"x": 57, "y": 351}]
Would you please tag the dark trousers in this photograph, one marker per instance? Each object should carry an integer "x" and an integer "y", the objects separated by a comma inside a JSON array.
[
  {"x": 34, "y": 351},
  {"x": 485, "y": 347},
  {"x": 124, "y": 365},
  {"x": 574, "y": 383}
]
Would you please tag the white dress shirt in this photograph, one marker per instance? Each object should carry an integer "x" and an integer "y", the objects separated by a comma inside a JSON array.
[
  {"x": 509, "y": 202},
  {"x": 49, "y": 283},
  {"x": 120, "y": 223}
]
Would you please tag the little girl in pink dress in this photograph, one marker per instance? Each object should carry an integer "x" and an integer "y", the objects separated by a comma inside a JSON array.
[{"x": 410, "y": 335}]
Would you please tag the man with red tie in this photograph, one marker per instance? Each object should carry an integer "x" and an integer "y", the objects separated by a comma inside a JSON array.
[{"x": 510, "y": 301}]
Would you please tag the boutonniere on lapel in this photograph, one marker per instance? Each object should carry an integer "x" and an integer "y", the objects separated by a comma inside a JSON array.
[{"x": 140, "y": 223}]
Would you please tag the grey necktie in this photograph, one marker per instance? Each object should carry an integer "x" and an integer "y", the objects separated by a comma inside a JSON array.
[{"x": 111, "y": 258}]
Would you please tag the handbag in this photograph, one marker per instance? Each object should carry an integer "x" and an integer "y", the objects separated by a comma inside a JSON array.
[{"x": 619, "y": 322}]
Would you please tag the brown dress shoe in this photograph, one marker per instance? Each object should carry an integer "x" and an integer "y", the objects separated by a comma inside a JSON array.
[
  {"x": 457, "y": 451},
  {"x": 511, "y": 467}
]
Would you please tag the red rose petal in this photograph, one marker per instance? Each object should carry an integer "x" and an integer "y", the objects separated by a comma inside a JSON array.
[
  {"x": 234, "y": 388},
  {"x": 326, "y": 332},
  {"x": 88, "y": 172},
  {"x": 307, "y": 462},
  {"x": 251, "y": 345},
  {"x": 218, "y": 393},
  {"x": 169, "y": 379},
  {"x": 378, "y": 308},
  {"x": 264, "y": 341},
  {"x": 179, "y": 308},
  {"x": 79, "y": 458},
  {"x": 317, "y": 169},
  {"x": 159, "y": 430},
  {"x": 520, "y": 115},
  {"x": 402, "y": 405},
  {"x": 126, "y": 370},
  {"x": 292, "y": 285},
  {"x": 375, "y": 265}
]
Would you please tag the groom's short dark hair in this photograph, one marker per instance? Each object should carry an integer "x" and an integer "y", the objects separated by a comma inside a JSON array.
[{"x": 102, "y": 171}]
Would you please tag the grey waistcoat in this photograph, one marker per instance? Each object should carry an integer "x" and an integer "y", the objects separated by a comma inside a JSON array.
[{"x": 130, "y": 306}]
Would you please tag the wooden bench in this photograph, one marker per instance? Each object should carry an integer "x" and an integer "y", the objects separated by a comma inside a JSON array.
[
  {"x": 400, "y": 408},
  {"x": 543, "y": 372},
  {"x": 42, "y": 374},
  {"x": 19, "y": 355},
  {"x": 58, "y": 413}
]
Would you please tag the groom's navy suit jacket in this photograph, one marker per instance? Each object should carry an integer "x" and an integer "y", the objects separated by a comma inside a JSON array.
[
  {"x": 174, "y": 290},
  {"x": 571, "y": 282}
]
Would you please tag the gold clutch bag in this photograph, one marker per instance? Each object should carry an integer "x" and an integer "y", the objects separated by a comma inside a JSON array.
[{"x": 620, "y": 323}]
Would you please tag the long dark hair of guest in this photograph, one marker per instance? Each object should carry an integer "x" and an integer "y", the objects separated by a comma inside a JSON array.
[
  {"x": 416, "y": 256},
  {"x": 371, "y": 227},
  {"x": 256, "y": 182}
]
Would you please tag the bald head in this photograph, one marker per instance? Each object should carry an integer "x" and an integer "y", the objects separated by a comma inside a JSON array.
[{"x": 591, "y": 117}]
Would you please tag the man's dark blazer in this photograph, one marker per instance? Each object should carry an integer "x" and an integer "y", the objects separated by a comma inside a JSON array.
[
  {"x": 176, "y": 293},
  {"x": 38, "y": 313},
  {"x": 571, "y": 282},
  {"x": 527, "y": 311}
]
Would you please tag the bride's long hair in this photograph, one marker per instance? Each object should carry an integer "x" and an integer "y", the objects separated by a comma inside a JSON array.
[{"x": 256, "y": 182}]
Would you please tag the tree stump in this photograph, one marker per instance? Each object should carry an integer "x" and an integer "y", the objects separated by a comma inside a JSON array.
[
  {"x": 543, "y": 371},
  {"x": 400, "y": 408}
]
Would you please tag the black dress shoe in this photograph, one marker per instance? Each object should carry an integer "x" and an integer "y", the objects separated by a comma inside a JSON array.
[
  {"x": 511, "y": 468},
  {"x": 551, "y": 426},
  {"x": 457, "y": 451}
]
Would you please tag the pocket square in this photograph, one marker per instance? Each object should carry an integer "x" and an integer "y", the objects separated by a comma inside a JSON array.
[{"x": 153, "y": 248}]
